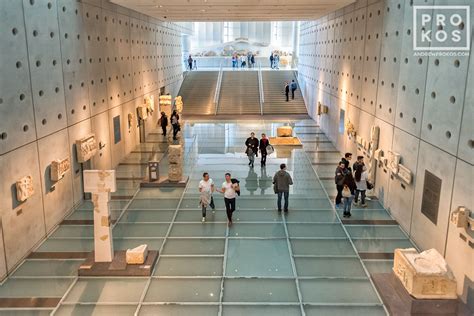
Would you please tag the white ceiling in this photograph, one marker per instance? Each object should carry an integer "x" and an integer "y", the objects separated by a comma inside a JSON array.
[{"x": 226, "y": 10}]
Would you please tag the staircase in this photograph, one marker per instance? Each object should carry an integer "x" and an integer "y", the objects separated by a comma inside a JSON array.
[
  {"x": 198, "y": 91},
  {"x": 274, "y": 94},
  {"x": 239, "y": 93}
]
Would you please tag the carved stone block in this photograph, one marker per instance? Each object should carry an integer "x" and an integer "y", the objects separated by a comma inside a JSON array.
[
  {"x": 142, "y": 112},
  {"x": 165, "y": 100},
  {"x": 24, "y": 188},
  {"x": 136, "y": 255},
  {"x": 96, "y": 181},
  {"x": 59, "y": 167},
  {"x": 393, "y": 160},
  {"x": 178, "y": 102},
  {"x": 86, "y": 148},
  {"x": 405, "y": 174},
  {"x": 424, "y": 275},
  {"x": 150, "y": 103},
  {"x": 284, "y": 131},
  {"x": 175, "y": 172},
  {"x": 175, "y": 154}
]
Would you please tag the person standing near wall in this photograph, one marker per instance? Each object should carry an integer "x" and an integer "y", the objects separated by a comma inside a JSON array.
[
  {"x": 251, "y": 148},
  {"x": 206, "y": 188},
  {"x": 340, "y": 173},
  {"x": 347, "y": 161},
  {"x": 229, "y": 190},
  {"x": 287, "y": 91},
  {"x": 175, "y": 123},
  {"x": 282, "y": 181},
  {"x": 190, "y": 63},
  {"x": 163, "y": 122},
  {"x": 294, "y": 86},
  {"x": 360, "y": 177},
  {"x": 271, "y": 60},
  {"x": 252, "y": 60},
  {"x": 348, "y": 192}
]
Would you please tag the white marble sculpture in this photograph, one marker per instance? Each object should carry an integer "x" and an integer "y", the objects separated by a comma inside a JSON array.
[
  {"x": 100, "y": 183},
  {"x": 59, "y": 167},
  {"x": 372, "y": 147},
  {"x": 24, "y": 188},
  {"x": 175, "y": 158},
  {"x": 178, "y": 102},
  {"x": 136, "y": 255},
  {"x": 284, "y": 131},
  {"x": 142, "y": 112},
  {"x": 150, "y": 103},
  {"x": 86, "y": 148},
  {"x": 424, "y": 275},
  {"x": 393, "y": 160},
  {"x": 405, "y": 174}
]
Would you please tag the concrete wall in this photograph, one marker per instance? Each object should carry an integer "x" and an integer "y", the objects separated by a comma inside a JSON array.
[
  {"x": 361, "y": 59},
  {"x": 67, "y": 69}
]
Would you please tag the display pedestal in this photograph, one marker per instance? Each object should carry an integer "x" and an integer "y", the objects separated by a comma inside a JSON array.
[
  {"x": 118, "y": 266},
  {"x": 399, "y": 302},
  {"x": 164, "y": 182}
]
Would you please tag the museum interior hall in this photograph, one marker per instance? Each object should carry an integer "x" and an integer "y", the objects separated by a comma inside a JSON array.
[{"x": 220, "y": 158}]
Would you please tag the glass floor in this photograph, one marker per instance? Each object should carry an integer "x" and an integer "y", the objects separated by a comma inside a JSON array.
[{"x": 307, "y": 262}]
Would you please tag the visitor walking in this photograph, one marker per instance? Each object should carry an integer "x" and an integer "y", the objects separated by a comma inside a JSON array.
[
  {"x": 163, "y": 122},
  {"x": 271, "y": 60},
  {"x": 340, "y": 174},
  {"x": 175, "y": 123},
  {"x": 251, "y": 148},
  {"x": 242, "y": 61},
  {"x": 249, "y": 59},
  {"x": 287, "y": 91},
  {"x": 360, "y": 177},
  {"x": 264, "y": 143},
  {"x": 252, "y": 60},
  {"x": 229, "y": 190},
  {"x": 234, "y": 61},
  {"x": 276, "y": 60},
  {"x": 294, "y": 86},
  {"x": 206, "y": 188},
  {"x": 190, "y": 62},
  {"x": 195, "y": 65},
  {"x": 348, "y": 193},
  {"x": 282, "y": 181}
]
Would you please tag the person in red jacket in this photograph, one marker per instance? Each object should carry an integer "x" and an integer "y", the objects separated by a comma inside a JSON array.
[{"x": 264, "y": 142}]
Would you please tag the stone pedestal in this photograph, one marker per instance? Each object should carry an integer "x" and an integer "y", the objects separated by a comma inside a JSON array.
[{"x": 424, "y": 275}]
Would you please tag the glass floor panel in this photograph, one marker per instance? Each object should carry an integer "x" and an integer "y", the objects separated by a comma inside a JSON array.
[
  {"x": 260, "y": 290},
  {"x": 137, "y": 216},
  {"x": 154, "y": 204},
  {"x": 261, "y": 310},
  {"x": 256, "y": 257},
  {"x": 321, "y": 216},
  {"x": 207, "y": 229},
  {"x": 325, "y": 291},
  {"x": 184, "y": 290},
  {"x": 179, "y": 310},
  {"x": 25, "y": 312},
  {"x": 357, "y": 231},
  {"x": 322, "y": 247},
  {"x": 140, "y": 230},
  {"x": 195, "y": 215},
  {"x": 96, "y": 310},
  {"x": 276, "y": 230},
  {"x": 31, "y": 268},
  {"x": 118, "y": 290},
  {"x": 194, "y": 247},
  {"x": 162, "y": 193},
  {"x": 344, "y": 310},
  {"x": 379, "y": 266},
  {"x": 329, "y": 267},
  {"x": 31, "y": 287},
  {"x": 189, "y": 266},
  {"x": 316, "y": 230},
  {"x": 381, "y": 245}
]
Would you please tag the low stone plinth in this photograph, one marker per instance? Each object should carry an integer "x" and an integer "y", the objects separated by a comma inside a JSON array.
[{"x": 424, "y": 275}]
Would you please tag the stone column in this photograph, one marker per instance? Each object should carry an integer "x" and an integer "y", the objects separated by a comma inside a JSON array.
[{"x": 100, "y": 183}]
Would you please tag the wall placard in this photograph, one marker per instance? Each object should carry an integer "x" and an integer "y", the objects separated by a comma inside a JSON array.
[
  {"x": 431, "y": 195},
  {"x": 117, "y": 135}
]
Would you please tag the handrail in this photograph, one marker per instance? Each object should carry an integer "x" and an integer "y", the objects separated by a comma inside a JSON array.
[
  {"x": 260, "y": 88},
  {"x": 218, "y": 89}
]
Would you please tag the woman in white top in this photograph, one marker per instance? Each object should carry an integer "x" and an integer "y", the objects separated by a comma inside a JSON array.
[
  {"x": 229, "y": 190},
  {"x": 360, "y": 177},
  {"x": 206, "y": 187}
]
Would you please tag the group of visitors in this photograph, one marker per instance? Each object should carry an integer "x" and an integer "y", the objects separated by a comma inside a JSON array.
[
  {"x": 243, "y": 60},
  {"x": 231, "y": 188},
  {"x": 350, "y": 183},
  {"x": 274, "y": 60},
  {"x": 163, "y": 122},
  {"x": 290, "y": 86}
]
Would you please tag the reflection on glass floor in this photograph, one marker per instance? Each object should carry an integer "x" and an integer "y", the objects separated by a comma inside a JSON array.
[{"x": 306, "y": 262}]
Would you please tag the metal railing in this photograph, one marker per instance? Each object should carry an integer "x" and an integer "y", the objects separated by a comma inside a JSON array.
[
  {"x": 218, "y": 89},
  {"x": 260, "y": 88}
]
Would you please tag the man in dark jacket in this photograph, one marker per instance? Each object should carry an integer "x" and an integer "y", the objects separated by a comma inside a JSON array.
[
  {"x": 294, "y": 86},
  {"x": 271, "y": 60},
  {"x": 251, "y": 148},
  {"x": 340, "y": 174},
  {"x": 347, "y": 161},
  {"x": 163, "y": 122},
  {"x": 282, "y": 181},
  {"x": 287, "y": 91},
  {"x": 264, "y": 142}
]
